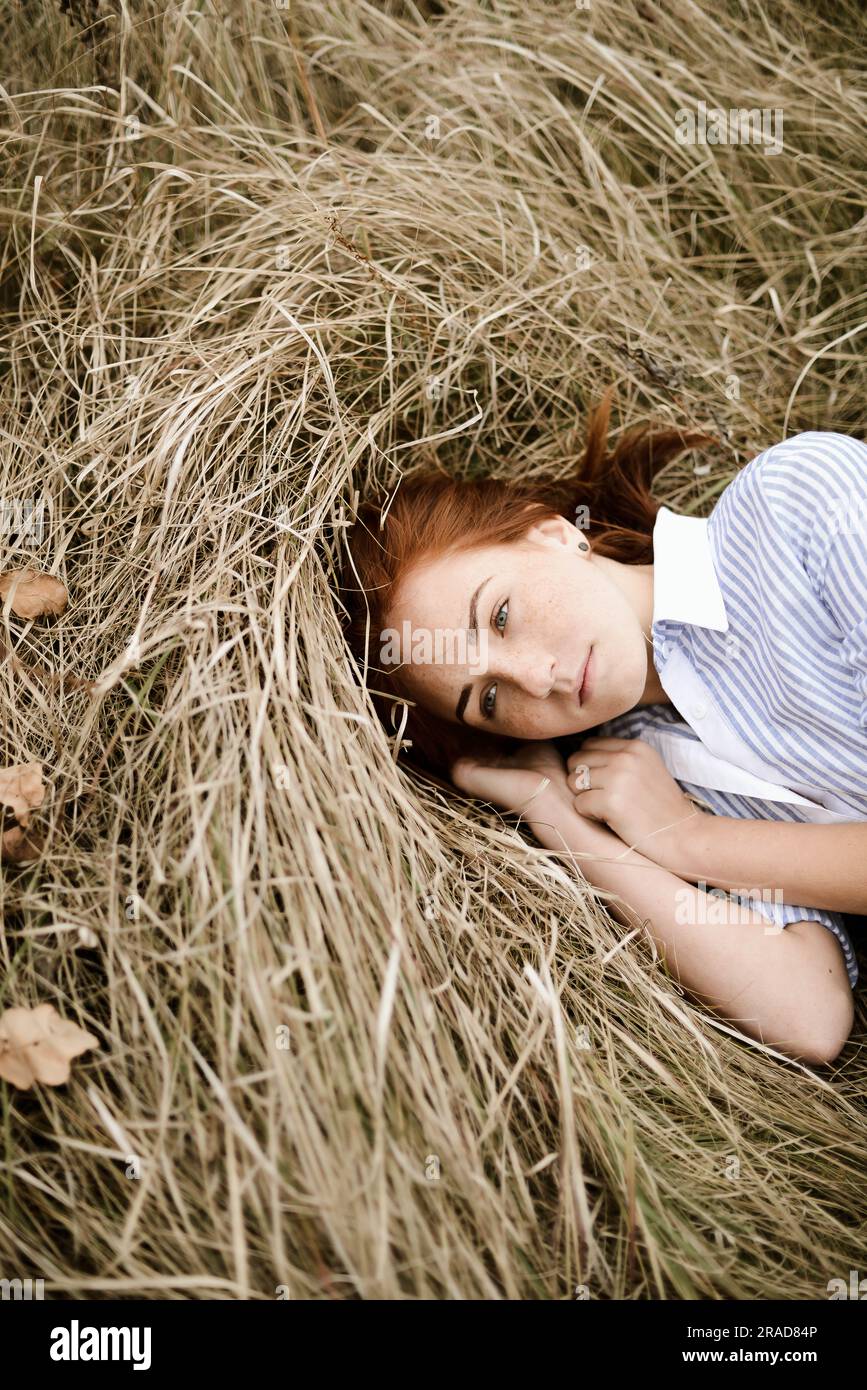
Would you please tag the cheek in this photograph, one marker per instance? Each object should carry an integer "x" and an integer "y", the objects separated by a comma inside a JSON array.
[{"x": 531, "y": 721}]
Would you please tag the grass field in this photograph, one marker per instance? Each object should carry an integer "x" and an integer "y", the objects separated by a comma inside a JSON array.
[{"x": 259, "y": 263}]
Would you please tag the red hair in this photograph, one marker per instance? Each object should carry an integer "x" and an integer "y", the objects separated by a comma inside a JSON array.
[{"x": 432, "y": 514}]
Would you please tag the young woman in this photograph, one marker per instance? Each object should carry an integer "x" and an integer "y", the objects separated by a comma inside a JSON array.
[{"x": 714, "y": 671}]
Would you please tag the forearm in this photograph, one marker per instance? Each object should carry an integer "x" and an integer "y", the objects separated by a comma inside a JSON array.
[
  {"x": 746, "y": 969},
  {"x": 824, "y": 866}
]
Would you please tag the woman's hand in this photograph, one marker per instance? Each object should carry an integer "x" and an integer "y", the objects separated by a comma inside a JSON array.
[
  {"x": 516, "y": 781},
  {"x": 632, "y": 791}
]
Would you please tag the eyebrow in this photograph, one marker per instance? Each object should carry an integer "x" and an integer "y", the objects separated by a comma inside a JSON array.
[{"x": 473, "y": 624}]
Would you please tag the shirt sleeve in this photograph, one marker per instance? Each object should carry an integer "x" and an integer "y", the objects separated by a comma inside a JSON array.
[
  {"x": 780, "y": 914},
  {"x": 816, "y": 483},
  {"x": 843, "y": 591},
  {"x": 783, "y": 914}
]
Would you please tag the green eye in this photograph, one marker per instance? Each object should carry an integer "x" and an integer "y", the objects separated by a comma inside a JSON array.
[{"x": 486, "y": 707}]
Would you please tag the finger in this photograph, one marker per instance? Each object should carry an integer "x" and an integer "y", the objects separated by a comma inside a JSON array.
[
  {"x": 467, "y": 774},
  {"x": 592, "y": 758},
  {"x": 505, "y": 787},
  {"x": 592, "y": 769},
  {"x": 587, "y": 777},
  {"x": 591, "y": 805},
  {"x": 612, "y": 743}
]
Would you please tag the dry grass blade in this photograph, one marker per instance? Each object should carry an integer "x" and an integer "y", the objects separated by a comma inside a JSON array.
[{"x": 249, "y": 278}]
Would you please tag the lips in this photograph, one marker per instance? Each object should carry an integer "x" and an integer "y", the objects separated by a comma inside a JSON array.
[{"x": 583, "y": 678}]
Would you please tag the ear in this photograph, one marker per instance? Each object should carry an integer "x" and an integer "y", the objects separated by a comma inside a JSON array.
[{"x": 555, "y": 531}]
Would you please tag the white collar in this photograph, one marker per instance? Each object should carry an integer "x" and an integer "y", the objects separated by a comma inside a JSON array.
[{"x": 685, "y": 586}]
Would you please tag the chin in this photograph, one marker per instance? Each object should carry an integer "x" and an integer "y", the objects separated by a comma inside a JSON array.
[{"x": 622, "y": 703}]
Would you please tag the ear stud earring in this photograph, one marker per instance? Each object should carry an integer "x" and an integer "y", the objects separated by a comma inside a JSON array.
[{"x": 582, "y": 545}]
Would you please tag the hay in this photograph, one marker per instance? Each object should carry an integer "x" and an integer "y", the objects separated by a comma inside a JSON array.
[{"x": 353, "y": 1041}]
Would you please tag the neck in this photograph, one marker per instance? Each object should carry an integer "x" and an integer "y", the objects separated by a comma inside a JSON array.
[{"x": 636, "y": 582}]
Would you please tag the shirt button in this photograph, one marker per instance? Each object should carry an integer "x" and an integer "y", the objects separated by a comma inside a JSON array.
[{"x": 699, "y": 711}]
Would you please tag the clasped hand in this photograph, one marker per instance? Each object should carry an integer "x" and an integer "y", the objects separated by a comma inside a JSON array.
[{"x": 630, "y": 790}]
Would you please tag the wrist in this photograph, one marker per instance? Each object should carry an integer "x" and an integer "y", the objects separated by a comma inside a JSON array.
[
  {"x": 553, "y": 803},
  {"x": 549, "y": 815},
  {"x": 682, "y": 848},
  {"x": 556, "y": 824}
]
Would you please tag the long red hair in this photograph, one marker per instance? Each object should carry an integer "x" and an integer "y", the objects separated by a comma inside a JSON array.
[{"x": 432, "y": 514}]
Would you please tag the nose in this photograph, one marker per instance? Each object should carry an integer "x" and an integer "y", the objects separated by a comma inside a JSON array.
[{"x": 532, "y": 672}]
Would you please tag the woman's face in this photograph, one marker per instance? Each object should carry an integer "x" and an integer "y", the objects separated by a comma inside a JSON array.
[{"x": 545, "y": 605}]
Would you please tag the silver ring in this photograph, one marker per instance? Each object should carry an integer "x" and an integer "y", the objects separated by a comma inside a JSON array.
[{"x": 582, "y": 782}]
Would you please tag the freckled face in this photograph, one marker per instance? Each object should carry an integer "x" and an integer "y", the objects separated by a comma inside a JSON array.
[{"x": 545, "y": 605}]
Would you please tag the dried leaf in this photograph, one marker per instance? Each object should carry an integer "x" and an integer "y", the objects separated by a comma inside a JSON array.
[
  {"x": 21, "y": 790},
  {"x": 33, "y": 593},
  {"x": 38, "y": 1045},
  {"x": 20, "y": 846}
]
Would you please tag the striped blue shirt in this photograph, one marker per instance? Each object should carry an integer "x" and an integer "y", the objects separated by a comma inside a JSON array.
[{"x": 760, "y": 641}]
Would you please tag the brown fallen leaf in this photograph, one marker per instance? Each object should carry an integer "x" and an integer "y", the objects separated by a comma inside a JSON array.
[
  {"x": 19, "y": 846},
  {"x": 38, "y": 1045},
  {"x": 21, "y": 790},
  {"x": 32, "y": 593}
]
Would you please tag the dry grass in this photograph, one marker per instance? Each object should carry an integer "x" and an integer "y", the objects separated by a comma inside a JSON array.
[{"x": 283, "y": 261}]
